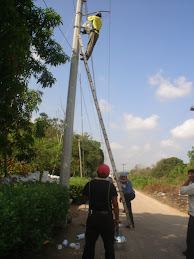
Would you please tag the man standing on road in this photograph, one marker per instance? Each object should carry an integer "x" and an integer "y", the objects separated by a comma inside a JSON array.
[
  {"x": 129, "y": 194},
  {"x": 188, "y": 189},
  {"x": 102, "y": 195}
]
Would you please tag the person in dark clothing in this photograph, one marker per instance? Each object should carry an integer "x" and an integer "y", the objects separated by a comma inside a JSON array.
[
  {"x": 188, "y": 189},
  {"x": 94, "y": 33},
  {"x": 129, "y": 194},
  {"x": 102, "y": 195}
]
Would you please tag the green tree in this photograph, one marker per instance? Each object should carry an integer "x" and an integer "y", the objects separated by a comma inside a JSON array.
[
  {"x": 93, "y": 155},
  {"x": 27, "y": 48},
  {"x": 47, "y": 146},
  {"x": 191, "y": 155},
  {"x": 164, "y": 167}
]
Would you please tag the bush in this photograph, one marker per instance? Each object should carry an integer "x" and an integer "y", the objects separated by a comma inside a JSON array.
[
  {"x": 141, "y": 181},
  {"x": 28, "y": 214},
  {"x": 76, "y": 188}
]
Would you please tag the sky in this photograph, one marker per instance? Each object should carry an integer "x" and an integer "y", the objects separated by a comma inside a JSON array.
[{"x": 143, "y": 66}]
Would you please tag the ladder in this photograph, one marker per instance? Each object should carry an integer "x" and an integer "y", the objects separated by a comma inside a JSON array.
[{"x": 104, "y": 131}]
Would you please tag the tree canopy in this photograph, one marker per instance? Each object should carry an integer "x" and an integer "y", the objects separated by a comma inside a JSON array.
[
  {"x": 191, "y": 156},
  {"x": 27, "y": 48}
]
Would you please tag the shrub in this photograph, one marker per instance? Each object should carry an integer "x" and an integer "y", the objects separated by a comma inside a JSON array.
[
  {"x": 28, "y": 214},
  {"x": 76, "y": 187},
  {"x": 141, "y": 181}
]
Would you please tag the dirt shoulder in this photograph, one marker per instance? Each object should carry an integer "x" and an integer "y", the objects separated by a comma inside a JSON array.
[{"x": 170, "y": 196}]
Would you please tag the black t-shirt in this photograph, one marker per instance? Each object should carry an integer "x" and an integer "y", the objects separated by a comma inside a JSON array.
[{"x": 100, "y": 193}]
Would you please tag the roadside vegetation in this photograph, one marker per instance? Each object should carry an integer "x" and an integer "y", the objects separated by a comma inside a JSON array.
[
  {"x": 167, "y": 172},
  {"x": 163, "y": 180}
]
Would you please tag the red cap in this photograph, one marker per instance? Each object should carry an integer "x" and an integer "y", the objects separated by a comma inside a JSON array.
[{"x": 103, "y": 170}]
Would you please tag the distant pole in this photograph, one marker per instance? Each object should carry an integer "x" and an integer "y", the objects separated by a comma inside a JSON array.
[
  {"x": 123, "y": 166},
  {"x": 68, "y": 128},
  {"x": 80, "y": 159}
]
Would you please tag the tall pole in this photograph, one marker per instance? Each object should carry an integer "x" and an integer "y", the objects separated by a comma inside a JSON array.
[
  {"x": 68, "y": 128},
  {"x": 80, "y": 159},
  {"x": 123, "y": 166}
]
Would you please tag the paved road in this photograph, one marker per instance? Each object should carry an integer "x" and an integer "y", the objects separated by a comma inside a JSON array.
[{"x": 160, "y": 231}]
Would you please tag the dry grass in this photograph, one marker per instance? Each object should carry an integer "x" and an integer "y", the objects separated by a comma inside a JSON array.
[{"x": 168, "y": 194}]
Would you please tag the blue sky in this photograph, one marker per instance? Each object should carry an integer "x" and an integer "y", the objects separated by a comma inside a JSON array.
[{"x": 143, "y": 65}]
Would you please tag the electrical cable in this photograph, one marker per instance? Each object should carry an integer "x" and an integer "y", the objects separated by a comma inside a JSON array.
[{"x": 59, "y": 28}]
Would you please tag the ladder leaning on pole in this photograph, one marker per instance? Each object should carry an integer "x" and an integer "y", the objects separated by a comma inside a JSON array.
[{"x": 104, "y": 131}]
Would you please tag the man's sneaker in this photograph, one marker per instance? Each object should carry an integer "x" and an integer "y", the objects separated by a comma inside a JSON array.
[{"x": 184, "y": 253}]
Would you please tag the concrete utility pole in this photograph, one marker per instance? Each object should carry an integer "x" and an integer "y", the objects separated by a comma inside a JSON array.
[
  {"x": 80, "y": 158},
  {"x": 123, "y": 166},
  {"x": 68, "y": 129}
]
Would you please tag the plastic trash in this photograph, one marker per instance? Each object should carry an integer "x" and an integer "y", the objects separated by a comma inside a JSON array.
[
  {"x": 64, "y": 243},
  {"x": 80, "y": 236},
  {"x": 59, "y": 247},
  {"x": 72, "y": 245}
]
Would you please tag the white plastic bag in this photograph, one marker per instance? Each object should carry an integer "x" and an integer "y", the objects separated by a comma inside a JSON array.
[{"x": 87, "y": 26}]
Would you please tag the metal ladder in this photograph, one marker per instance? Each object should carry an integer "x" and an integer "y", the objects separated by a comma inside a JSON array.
[{"x": 104, "y": 131}]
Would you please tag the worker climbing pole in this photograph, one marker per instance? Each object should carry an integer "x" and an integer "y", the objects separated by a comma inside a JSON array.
[{"x": 94, "y": 29}]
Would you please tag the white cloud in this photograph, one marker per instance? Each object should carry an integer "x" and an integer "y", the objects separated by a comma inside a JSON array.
[
  {"x": 167, "y": 90},
  {"x": 115, "y": 145},
  {"x": 132, "y": 122},
  {"x": 33, "y": 119},
  {"x": 34, "y": 54},
  {"x": 105, "y": 106},
  {"x": 147, "y": 146},
  {"x": 114, "y": 125},
  {"x": 135, "y": 148},
  {"x": 184, "y": 131},
  {"x": 167, "y": 143}
]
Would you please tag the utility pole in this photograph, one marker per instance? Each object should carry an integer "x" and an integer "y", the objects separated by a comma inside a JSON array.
[
  {"x": 123, "y": 166},
  {"x": 68, "y": 128},
  {"x": 80, "y": 159}
]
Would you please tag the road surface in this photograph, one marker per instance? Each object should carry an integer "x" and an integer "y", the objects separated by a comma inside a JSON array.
[{"x": 160, "y": 231}]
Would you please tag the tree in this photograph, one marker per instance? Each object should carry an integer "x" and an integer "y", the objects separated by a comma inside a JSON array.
[
  {"x": 47, "y": 146},
  {"x": 164, "y": 166},
  {"x": 27, "y": 47},
  {"x": 93, "y": 155},
  {"x": 191, "y": 155}
]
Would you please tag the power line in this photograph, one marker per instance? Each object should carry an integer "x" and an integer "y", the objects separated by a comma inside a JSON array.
[{"x": 59, "y": 27}]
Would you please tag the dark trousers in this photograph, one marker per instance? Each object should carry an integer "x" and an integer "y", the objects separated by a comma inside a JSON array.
[
  {"x": 128, "y": 198},
  {"x": 93, "y": 37},
  {"x": 99, "y": 224},
  {"x": 190, "y": 238}
]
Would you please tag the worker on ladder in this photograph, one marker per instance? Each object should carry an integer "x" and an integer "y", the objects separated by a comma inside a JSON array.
[
  {"x": 94, "y": 33},
  {"x": 129, "y": 194}
]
